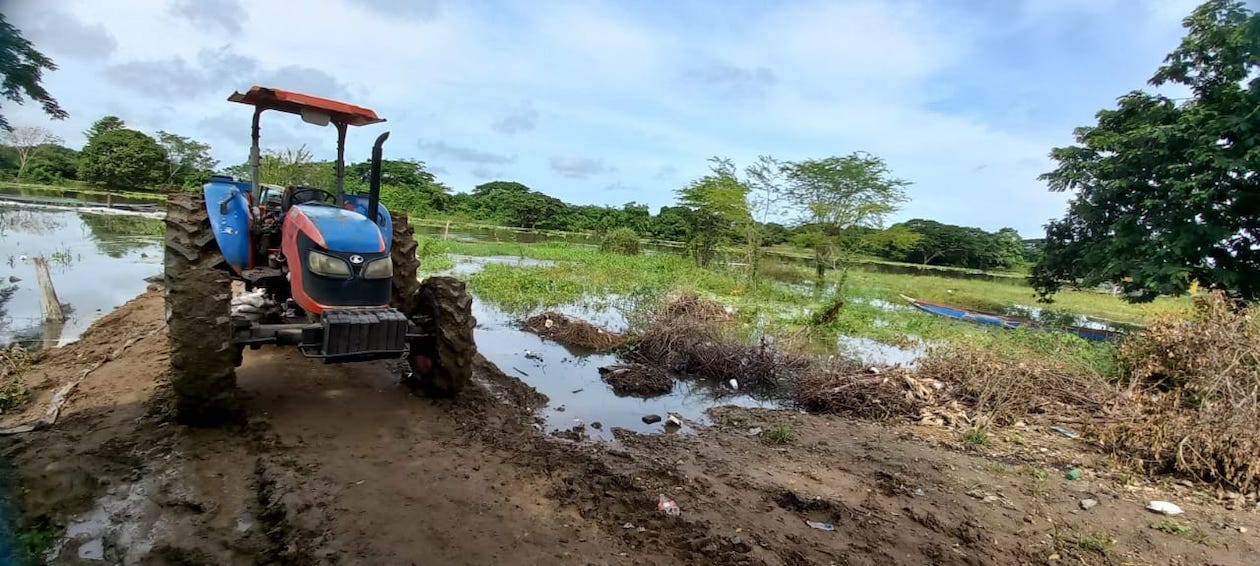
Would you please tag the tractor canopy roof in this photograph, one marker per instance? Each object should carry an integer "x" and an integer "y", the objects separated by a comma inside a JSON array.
[{"x": 302, "y": 104}]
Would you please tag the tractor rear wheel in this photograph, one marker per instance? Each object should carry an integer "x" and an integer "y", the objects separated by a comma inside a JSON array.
[
  {"x": 439, "y": 364},
  {"x": 198, "y": 303}
]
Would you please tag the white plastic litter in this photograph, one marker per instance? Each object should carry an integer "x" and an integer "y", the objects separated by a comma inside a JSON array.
[
  {"x": 668, "y": 506},
  {"x": 1164, "y": 507}
]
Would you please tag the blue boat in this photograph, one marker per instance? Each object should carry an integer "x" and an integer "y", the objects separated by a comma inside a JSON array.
[{"x": 1095, "y": 334}]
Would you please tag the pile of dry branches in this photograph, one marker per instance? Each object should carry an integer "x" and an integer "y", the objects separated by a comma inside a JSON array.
[
  {"x": 573, "y": 331},
  {"x": 637, "y": 380},
  {"x": 687, "y": 334},
  {"x": 1193, "y": 401},
  {"x": 1000, "y": 388},
  {"x": 877, "y": 394}
]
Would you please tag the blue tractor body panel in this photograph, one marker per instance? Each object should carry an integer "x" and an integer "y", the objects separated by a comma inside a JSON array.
[
  {"x": 342, "y": 230},
  {"x": 227, "y": 202},
  {"x": 360, "y": 204}
]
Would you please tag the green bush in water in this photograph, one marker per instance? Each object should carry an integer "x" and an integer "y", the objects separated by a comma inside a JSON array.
[{"x": 622, "y": 241}]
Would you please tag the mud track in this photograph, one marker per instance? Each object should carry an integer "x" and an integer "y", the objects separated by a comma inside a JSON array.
[{"x": 341, "y": 465}]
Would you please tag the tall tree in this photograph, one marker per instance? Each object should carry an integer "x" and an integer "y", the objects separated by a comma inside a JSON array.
[
  {"x": 104, "y": 124},
  {"x": 122, "y": 159},
  {"x": 717, "y": 206},
  {"x": 24, "y": 140},
  {"x": 766, "y": 180},
  {"x": 1167, "y": 191},
  {"x": 188, "y": 161},
  {"x": 23, "y": 69},
  {"x": 834, "y": 194}
]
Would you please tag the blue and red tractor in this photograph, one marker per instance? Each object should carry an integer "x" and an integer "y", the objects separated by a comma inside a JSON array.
[{"x": 331, "y": 273}]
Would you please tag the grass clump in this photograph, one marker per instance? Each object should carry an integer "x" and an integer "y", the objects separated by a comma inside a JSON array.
[
  {"x": 1194, "y": 397},
  {"x": 620, "y": 241},
  {"x": 14, "y": 363},
  {"x": 779, "y": 435},
  {"x": 975, "y": 437},
  {"x": 1171, "y": 526},
  {"x": 1097, "y": 542}
]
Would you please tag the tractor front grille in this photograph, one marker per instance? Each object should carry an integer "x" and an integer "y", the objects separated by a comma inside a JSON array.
[{"x": 363, "y": 331}]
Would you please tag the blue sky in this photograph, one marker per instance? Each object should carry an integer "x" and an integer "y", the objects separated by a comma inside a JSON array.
[{"x": 608, "y": 102}]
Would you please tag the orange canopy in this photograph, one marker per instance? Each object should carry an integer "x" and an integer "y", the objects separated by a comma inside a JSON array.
[{"x": 294, "y": 102}]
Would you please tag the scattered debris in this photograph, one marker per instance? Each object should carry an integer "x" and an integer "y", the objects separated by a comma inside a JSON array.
[
  {"x": 668, "y": 506},
  {"x": 637, "y": 380},
  {"x": 821, "y": 526},
  {"x": 518, "y": 370},
  {"x": 651, "y": 419},
  {"x": 673, "y": 420},
  {"x": 1164, "y": 508},
  {"x": 1065, "y": 432},
  {"x": 531, "y": 355},
  {"x": 576, "y": 391},
  {"x": 754, "y": 431},
  {"x": 791, "y": 501},
  {"x": 597, "y": 425},
  {"x": 1087, "y": 504},
  {"x": 918, "y": 492},
  {"x": 14, "y": 279},
  {"x": 572, "y": 331},
  {"x": 1073, "y": 474}
]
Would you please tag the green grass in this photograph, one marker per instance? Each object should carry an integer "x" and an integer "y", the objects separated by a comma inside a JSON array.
[
  {"x": 779, "y": 435},
  {"x": 1095, "y": 542},
  {"x": 975, "y": 437},
  {"x": 783, "y": 301},
  {"x": 1171, "y": 526},
  {"x": 58, "y": 190}
]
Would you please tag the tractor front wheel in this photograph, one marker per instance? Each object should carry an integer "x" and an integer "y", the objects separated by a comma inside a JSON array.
[
  {"x": 441, "y": 363},
  {"x": 198, "y": 304}
]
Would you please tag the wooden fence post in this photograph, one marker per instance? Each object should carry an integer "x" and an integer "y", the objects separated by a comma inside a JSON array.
[{"x": 52, "y": 306}]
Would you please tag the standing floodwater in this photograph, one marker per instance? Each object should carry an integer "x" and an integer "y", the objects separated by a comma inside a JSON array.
[{"x": 98, "y": 261}]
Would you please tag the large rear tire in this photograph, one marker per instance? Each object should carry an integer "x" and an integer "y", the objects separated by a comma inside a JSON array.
[
  {"x": 198, "y": 304},
  {"x": 440, "y": 364}
]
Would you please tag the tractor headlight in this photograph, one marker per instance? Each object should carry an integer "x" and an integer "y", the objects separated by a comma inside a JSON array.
[
  {"x": 379, "y": 269},
  {"x": 324, "y": 264}
]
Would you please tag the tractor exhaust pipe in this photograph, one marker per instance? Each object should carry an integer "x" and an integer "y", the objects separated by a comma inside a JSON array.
[{"x": 374, "y": 178}]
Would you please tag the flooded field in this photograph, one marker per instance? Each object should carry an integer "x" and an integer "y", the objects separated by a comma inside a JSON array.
[{"x": 97, "y": 260}]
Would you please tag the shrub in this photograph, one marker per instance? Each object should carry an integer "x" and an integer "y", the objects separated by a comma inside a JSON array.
[
  {"x": 620, "y": 240},
  {"x": 1194, "y": 396}
]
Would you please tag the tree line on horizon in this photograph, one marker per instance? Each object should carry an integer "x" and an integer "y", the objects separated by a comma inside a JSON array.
[{"x": 1165, "y": 191}]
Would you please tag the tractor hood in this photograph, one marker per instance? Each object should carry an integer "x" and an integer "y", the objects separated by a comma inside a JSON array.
[{"x": 337, "y": 229}]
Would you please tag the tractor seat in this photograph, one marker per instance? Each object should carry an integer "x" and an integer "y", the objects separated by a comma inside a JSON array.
[{"x": 305, "y": 195}]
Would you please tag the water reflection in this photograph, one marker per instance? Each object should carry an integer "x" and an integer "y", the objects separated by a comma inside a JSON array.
[{"x": 97, "y": 264}]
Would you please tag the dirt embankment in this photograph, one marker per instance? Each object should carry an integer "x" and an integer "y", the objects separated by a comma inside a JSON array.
[{"x": 340, "y": 465}]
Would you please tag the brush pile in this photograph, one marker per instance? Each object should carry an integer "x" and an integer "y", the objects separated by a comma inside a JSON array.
[
  {"x": 573, "y": 332},
  {"x": 874, "y": 393},
  {"x": 637, "y": 380},
  {"x": 1193, "y": 401},
  {"x": 999, "y": 388},
  {"x": 688, "y": 334}
]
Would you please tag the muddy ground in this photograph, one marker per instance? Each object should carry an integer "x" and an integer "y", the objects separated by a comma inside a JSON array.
[{"x": 341, "y": 465}]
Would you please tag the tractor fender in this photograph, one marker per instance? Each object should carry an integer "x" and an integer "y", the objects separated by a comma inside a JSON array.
[{"x": 227, "y": 202}]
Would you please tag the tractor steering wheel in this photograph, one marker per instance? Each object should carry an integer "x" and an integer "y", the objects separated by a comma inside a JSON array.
[{"x": 307, "y": 195}]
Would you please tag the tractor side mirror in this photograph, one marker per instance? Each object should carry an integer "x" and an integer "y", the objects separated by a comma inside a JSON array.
[{"x": 312, "y": 116}]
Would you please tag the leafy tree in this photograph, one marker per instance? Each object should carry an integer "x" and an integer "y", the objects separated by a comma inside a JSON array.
[
  {"x": 24, "y": 140},
  {"x": 23, "y": 69},
  {"x": 670, "y": 224},
  {"x": 188, "y": 161},
  {"x": 766, "y": 179},
  {"x": 896, "y": 242},
  {"x": 52, "y": 163},
  {"x": 1166, "y": 191},
  {"x": 122, "y": 159},
  {"x": 717, "y": 207},
  {"x": 836, "y": 193},
  {"x": 105, "y": 124}
]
